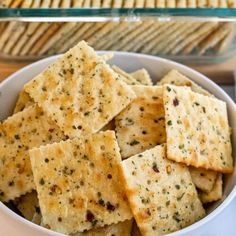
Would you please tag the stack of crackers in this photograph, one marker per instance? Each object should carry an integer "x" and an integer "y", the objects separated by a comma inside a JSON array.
[
  {"x": 92, "y": 149},
  {"x": 21, "y": 40}
]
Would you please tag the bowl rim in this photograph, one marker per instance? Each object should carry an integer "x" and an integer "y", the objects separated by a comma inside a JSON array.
[{"x": 183, "y": 231}]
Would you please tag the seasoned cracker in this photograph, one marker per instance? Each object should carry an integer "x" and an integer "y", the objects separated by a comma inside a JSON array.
[
  {"x": 215, "y": 37},
  {"x": 181, "y": 3},
  {"x": 23, "y": 101},
  {"x": 63, "y": 30},
  {"x": 120, "y": 229},
  {"x": 197, "y": 34},
  {"x": 79, "y": 183},
  {"x": 141, "y": 125},
  {"x": 19, "y": 133},
  {"x": 176, "y": 78},
  {"x": 139, "y": 3},
  {"x": 125, "y": 77},
  {"x": 197, "y": 129},
  {"x": 203, "y": 179},
  {"x": 28, "y": 205},
  {"x": 215, "y": 194},
  {"x": 107, "y": 56},
  {"x": 80, "y": 92},
  {"x": 162, "y": 197},
  {"x": 142, "y": 76}
]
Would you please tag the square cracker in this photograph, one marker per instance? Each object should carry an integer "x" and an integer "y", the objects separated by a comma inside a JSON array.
[
  {"x": 78, "y": 183},
  {"x": 215, "y": 194},
  {"x": 203, "y": 179},
  {"x": 28, "y": 205},
  {"x": 120, "y": 229},
  {"x": 80, "y": 92},
  {"x": 24, "y": 100},
  {"x": 197, "y": 129},
  {"x": 176, "y": 78},
  {"x": 162, "y": 196},
  {"x": 19, "y": 133},
  {"x": 141, "y": 125},
  {"x": 127, "y": 78},
  {"x": 142, "y": 76}
]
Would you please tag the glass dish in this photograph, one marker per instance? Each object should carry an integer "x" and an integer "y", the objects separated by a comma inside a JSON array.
[{"x": 186, "y": 35}]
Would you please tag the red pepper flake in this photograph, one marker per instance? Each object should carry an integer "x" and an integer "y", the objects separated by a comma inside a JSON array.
[
  {"x": 51, "y": 130},
  {"x": 109, "y": 176},
  {"x": 154, "y": 167},
  {"x": 90, "y": 216},
  {"x": 175, "y": 102}
]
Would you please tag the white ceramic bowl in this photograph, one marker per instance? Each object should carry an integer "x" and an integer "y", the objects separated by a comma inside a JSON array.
[{"x": 13, "y": 225}]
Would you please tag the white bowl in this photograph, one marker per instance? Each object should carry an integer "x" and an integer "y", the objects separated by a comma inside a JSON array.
[{"x": 12, "y": 224}]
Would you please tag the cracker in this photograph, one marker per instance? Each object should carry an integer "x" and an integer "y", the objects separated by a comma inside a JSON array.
[
  {"x": 142, "y": 76},
  {"x": 225, "y": 42},
  {"x": 141, "y": 125},
  {"x": 88, "y": 93},
  {"x": 78, "y": 183},
  {"x": 148, "y": 42},
  {"x": 53, "y": 28},
  {"x": 150, "y": 4},
  {"x": 159, "y": 43},
  {"x": 133, "y": 38},
  {"x": 129, "y": 4},
  {"x": 99, "y": 36},
  {"x": 107, "y": 3},
  {"x": 55, "y": 3},
  {"x": 231, "y": 3},
  {"x": 206, "y": 28},
  {"x": 176, "y": 78},
  {"x": 128, "y": 29},
  {"x": 40, "y": 30},
  {"x": 28, "y": 205},
  {"x": 139, "y": 3},
  {"x": 181, "y": 3},
  {"x": 87, "y": 3},
  {"x": 120, "y": 229},
  {"x": 215, "y": 37},
  {"x": 192, "y": 3},
  {"x": 96, "y": 3},
  {"x": 162, "y": 196},
  {"x": 203, "y": 179},
  {"x": 202, "y": 3},
  {"x": 112, "y": 36},
  {"x": 5, "y": 3},
  {"x": 65, "y": 3},
  {"x": 13, "y": 30},
  {"x": 171, "y": 4},
  {"x": 21, "y": 132},
  {"x": 188, "y": 31},
  {"x": 84, "y": 33},
  {"x": 213, "y": 3},
  {"x": 77, "y": 3},
  {"x": 23, "y": 101},
  {"x": 197, "y": 129},
  {"x": 108, "y": 56},
  {"x": 215, "y": 194},
  {"x": 64, "y": 30},
  {"x": 169, "y": 40},
  {"x": 127, "y": 78},
  {"x": 161, "y": 3}
]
